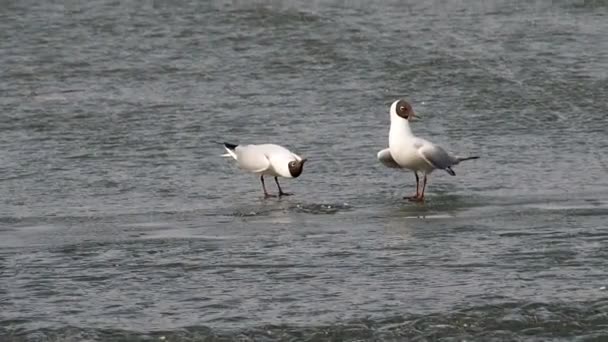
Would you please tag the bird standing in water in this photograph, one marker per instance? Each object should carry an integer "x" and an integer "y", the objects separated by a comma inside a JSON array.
[
  {"x": 407, "y": 151},
  {"x": 267, "y": 160}
]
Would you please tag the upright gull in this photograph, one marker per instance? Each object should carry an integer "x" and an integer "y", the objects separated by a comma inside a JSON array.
[{"x": 407, "y": 151}]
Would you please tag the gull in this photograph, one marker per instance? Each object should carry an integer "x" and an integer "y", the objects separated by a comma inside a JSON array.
[
  {"x": 267, "y": 160},
  {"x": 407, "y": 151}
]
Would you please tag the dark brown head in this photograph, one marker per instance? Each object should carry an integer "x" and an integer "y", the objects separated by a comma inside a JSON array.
[
  {"x": 402, "y": 109},
  {"x": 296, "y": 167}
]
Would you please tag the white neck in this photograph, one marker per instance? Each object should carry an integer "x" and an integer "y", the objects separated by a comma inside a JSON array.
[{"x": 400, "y": 128}]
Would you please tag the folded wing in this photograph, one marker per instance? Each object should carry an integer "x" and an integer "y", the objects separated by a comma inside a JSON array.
[
  {"x": 252, "y": 159},
  {"x": 385, "y": 158},
  {"x": 437, "y": 157}
]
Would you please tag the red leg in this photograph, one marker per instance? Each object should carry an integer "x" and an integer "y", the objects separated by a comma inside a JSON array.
[
  {"x": 411, "y": 198},
  {"x": 420, "y": 197},
  {"x": 423, "y": 188}
]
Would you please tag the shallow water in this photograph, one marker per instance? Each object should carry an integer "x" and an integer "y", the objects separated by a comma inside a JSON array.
[{"x": 121, "y": 222}]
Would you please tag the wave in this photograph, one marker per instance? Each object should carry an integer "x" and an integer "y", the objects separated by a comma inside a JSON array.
[{"x": 507, "y": 321}]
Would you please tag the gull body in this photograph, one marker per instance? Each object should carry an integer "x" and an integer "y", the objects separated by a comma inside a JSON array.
[
  {"x": 406, "y": 151},
  {"x": 267, "y": 160}
]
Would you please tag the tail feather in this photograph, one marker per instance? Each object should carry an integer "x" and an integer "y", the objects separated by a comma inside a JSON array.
[
  {"x": 450, "y": 171},
  {"x": 467, "y": 158},
  {"x": 230, "y": 149},
  {"x": 230, "y": 146}
]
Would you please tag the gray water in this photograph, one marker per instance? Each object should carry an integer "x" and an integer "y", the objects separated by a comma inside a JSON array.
[{"x": 120, "y": 220}]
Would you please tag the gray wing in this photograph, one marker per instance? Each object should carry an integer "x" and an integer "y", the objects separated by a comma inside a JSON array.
[
  {"x": 385, "y": 158},
  {"x": 436, "y": 156}
]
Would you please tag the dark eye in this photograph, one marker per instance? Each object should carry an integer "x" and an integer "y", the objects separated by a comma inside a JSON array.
[{"x": 402, "y": 108}]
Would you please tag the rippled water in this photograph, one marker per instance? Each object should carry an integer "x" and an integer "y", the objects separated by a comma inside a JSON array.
[{"x": 119, "y": 220}]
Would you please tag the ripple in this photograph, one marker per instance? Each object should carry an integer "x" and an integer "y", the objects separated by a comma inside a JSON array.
[
  {"x": 268, "y": 209},
  {"x": 320, "y": 208},
  {"x": 506, "y": 321},
  {"x": 118, "y": 212}
]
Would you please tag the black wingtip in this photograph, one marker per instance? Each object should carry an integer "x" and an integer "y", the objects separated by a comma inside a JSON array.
[
  {"x": 230, "y": 146},
  {"x": 450, "y": 171}
]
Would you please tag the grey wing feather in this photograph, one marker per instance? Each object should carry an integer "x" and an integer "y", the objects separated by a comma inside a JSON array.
[
  {"x": 385, "y": 158},
  {"x": 436, "y": 156}
]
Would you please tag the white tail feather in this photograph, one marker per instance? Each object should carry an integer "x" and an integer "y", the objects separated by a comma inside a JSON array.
[{"x": 229, "y": 154}]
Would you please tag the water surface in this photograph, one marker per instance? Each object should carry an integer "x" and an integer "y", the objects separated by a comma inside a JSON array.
[{"x": 119, "y": 220}]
